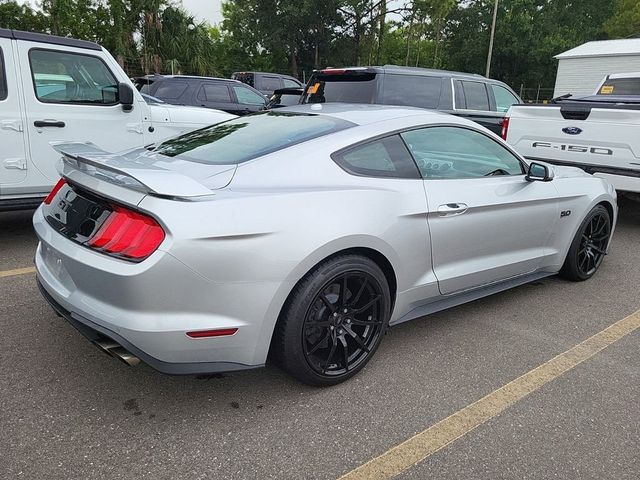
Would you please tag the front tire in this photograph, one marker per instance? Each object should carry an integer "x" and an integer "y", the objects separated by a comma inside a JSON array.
[
  {"x": 334, "y": 321},
  {"x": 589, "y": 246}
]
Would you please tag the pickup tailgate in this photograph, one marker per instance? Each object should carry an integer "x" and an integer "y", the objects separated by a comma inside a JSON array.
[{"x": 600, "y": 139}]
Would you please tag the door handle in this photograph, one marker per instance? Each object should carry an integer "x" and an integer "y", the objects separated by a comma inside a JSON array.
[
  {"x": 451, "y": 209},
  {"x": 48, "y": 123}
]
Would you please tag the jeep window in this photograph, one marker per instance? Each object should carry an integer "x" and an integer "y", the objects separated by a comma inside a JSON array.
[
  {"x": 504, "y": 98},
  {"x": 475, "y": 94},
  {"x": 350, "y": 87},
  {"x": 412, "y": 90},
  {"x": 3, "y": 78},
  {"x": 242, "y": 139},
  {"x": 63, "y": 77},
  {"x": 214, "y": 92}
]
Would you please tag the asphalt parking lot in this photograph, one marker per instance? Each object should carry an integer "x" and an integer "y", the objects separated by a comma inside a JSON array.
[{"x": 70, "y": 411}]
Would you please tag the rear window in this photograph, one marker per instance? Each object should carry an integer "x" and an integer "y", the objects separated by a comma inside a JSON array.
[
  {"x": 244, "y": 78},
  {"x": 412, "y": 90},
  {"x": 270, "y": 83},
  {"x": 346, "y": 88},
  {"x": 620, "y": 86},
  {"x": 242, "y": 139},
  {"x": 475, "y": 94}
]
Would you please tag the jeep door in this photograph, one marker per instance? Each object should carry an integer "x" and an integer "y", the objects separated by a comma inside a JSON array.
[
  {"x": 13, "y": 160},
  {"x": 71, "y": 94}
]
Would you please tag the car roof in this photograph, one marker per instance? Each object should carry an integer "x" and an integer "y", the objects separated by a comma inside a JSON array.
[
  {"x": 50, "y": 39},
  {"x": 363, "y": 114},
  {"x": 395, "y": 69},
  {"x": 284, "y": 75},
  {"x": 195, "y": 77}
]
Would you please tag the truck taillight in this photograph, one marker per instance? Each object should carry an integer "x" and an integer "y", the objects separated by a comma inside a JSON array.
[
  {"x": 505, "y": 128},
  {"x": 54, "y": 191},
  {"x": 127, "y": 234}
]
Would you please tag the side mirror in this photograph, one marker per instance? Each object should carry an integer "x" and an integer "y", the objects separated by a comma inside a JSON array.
[
  {"x": 125, "y": 96},
  {"x": 538, "y": 173}
]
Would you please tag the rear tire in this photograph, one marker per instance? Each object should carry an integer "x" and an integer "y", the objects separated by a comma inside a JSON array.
[
  {"x": 333, "y": 321},
  {"x": 588, "y": 247}
]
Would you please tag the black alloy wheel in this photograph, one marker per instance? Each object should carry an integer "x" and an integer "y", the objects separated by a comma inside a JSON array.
[
  {"x": 334, "y": 321},
  {"x": 589, "y": 245},
  {"x": 343, "y": 323}
]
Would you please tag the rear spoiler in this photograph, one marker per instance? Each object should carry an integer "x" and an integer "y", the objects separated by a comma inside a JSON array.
[{"x": 90, "y": 160}]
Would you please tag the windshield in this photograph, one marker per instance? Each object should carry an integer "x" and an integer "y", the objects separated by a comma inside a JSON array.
[
  {"x": 242, "y": 139},
  {"x": 347, "y": 88},
  {"x": 620, "y": 86}
]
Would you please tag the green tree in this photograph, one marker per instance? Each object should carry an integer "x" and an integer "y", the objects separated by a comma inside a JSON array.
[{"x": 625, "y": 21}]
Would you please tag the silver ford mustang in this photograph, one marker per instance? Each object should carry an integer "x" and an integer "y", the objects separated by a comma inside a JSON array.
[{"x": 302, "y": 234}]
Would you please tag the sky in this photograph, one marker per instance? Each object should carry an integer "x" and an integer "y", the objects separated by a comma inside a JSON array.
[{"x": 208, "y": 10}]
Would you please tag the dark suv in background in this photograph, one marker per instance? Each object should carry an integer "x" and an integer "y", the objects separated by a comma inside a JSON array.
[
  {"x": 266, "y": 83},
  {"x": 480, "y": 99},
  {"x": 220, "y": 93}
]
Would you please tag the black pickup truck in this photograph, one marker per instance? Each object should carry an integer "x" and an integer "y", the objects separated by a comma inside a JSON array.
[{"x": 471, "y": 96}]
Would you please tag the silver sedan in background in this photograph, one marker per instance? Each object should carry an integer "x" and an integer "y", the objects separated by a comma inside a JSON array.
[{"x": 301, "y": 234}]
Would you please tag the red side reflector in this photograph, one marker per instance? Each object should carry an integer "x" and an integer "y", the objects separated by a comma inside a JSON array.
[
  {"x": 505, "y": 128},
  {"x": 54, "y": 191},
  {"x": 128, "y": 234},
  {"x": 223, "y": 332}
]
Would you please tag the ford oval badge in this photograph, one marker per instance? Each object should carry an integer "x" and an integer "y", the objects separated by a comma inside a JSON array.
[{"x": 572, "y": 130}]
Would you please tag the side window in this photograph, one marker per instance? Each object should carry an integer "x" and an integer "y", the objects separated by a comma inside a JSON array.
[
  {"x": 3, "y": 78},
  {"x": 461, "y": 103},
  {"x": 504, "y": 98},
  {"x": 170, "y": 90},
  {"x": 475, "y": 94},
  {"x": 62, "y": 77},
  {"x": 247, "y": 97},
  {"x": 214, "y": 92},
  {"x": 386, "y": 157},
  {"x": 290, "y": 83},
  {"x": 454, "y": 152},
  {"x": 270, "y": 83},
  {"x": 412, "y": 90}
]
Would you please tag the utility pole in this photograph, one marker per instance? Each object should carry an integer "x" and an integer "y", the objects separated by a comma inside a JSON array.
[{"x": 493, "y": 32}]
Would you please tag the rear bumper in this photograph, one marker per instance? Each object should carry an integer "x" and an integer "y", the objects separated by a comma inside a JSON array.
[
  {"x": 149, "y": 307},
  {"x": 94, "y": 332}
]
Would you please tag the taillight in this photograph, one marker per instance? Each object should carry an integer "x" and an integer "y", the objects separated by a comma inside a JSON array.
[
  {"x": 505, "y": 128},
  {"x": 333, "y": 71},
  {"x": 54, "y": 191},
  {"x": 127, "y": 234}
]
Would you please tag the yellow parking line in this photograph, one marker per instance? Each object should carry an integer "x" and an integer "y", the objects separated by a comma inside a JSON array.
[
  {"x": 438, "y": 436},
  {"x": 17, "y": 271}
]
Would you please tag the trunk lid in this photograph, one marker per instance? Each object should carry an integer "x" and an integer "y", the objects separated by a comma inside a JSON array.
[{"x": 143, "y": 171}]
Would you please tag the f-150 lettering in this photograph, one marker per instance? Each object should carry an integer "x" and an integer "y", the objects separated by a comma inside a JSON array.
[{"x": 574, "y": 148}]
